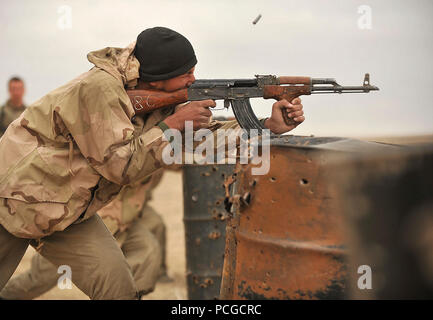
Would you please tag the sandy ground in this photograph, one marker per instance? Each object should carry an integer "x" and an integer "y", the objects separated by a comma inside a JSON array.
[{"x": 168, "y": 201}]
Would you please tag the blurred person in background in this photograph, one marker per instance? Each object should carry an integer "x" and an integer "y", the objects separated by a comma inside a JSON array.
[{"x": 14, "y": 106}]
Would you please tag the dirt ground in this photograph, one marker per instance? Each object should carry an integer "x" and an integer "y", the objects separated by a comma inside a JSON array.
[{"x": 171, "y": 209}]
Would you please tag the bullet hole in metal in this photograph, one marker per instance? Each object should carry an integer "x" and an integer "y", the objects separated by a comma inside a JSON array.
[
  {"x": 215, "y": 214},
  {"x": 246, "y": 198},
  {"x": 206, "y": 283},
  {"x": 227, "y": 204},
  {"x": 195, "y": 279},
  {"x": 303, "y": 181},
  {"x": 273, "y": 179},
  {"x": 214, "y": 235}
]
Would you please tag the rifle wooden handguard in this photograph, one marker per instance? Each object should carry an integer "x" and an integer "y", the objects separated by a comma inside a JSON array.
[{"x": 287, "y": 92}]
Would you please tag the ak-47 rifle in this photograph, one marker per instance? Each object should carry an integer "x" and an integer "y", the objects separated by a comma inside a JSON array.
[{"x": 237, "y": 92}]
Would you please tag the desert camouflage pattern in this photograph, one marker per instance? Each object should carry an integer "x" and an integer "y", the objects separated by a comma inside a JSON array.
[
  {"x": 120, "y": 213},
  {"x": 9, "y": 113},
  {"x": 69, "y": 153}
]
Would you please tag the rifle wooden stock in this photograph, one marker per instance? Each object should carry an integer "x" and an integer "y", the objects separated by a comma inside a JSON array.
[{"x": 145, "y": 101}]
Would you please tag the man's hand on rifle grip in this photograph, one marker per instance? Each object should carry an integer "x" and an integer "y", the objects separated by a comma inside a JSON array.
[{"x": 196, "y": 111}]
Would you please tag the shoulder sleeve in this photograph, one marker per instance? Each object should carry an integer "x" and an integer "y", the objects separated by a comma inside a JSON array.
[{"x": 95, "y": 113}]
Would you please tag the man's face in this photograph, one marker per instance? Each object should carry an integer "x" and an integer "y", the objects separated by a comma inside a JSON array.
[
  {"x": 180, "y": 82},
  {"x": 16, "y": 90}
]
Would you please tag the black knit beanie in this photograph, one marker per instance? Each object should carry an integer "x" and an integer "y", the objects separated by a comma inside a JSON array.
[{"x": 163, "y": 54}]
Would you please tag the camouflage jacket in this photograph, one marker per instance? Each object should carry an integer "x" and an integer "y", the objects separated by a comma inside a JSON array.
[
  {"x": 120, "y": 213},
  {"x": 70, "y": 153},
  {"x": 9, "y": 113}
]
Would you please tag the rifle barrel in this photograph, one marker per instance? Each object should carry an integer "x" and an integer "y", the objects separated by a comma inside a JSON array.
[
  {"x": 342, "y": 89},
  {"x": 323, "y": 81}
]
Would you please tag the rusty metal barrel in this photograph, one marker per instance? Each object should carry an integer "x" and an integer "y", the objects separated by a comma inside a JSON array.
[
  {"x": 286, "y": 237},
  {"x": 387, "y": 198},
  {"x": 205, "y": 223}
]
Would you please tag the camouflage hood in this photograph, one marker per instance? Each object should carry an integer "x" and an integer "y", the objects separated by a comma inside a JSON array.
[{"x": 119, "y": 62}]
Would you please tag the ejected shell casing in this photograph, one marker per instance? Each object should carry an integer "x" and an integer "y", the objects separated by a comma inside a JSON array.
[{"x": 257, "y": 19}]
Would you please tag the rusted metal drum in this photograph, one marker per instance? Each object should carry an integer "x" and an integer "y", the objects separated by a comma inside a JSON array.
[
  {"x": 387, "y": 198},
  {"x": 286, "y": 237},
  {"x": 205, "y": 222}
]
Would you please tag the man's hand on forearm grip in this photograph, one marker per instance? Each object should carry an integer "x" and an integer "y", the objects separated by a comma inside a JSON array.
[{"x": 294, "y": 112}]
